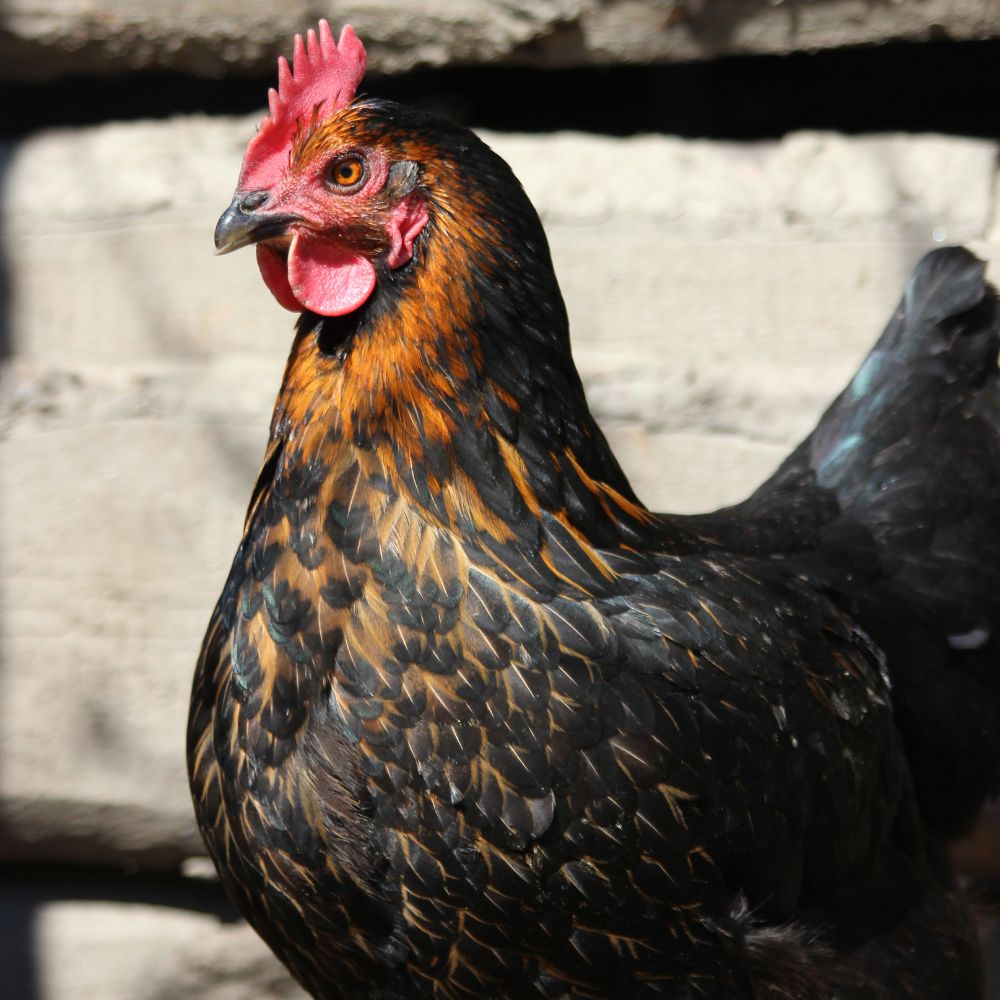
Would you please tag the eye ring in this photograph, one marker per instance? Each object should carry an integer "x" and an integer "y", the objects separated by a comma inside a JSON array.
[{"x": 346, "y": 173}]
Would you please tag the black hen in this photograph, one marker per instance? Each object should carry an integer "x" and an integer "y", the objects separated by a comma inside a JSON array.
[{"x": 470, "y": 721}]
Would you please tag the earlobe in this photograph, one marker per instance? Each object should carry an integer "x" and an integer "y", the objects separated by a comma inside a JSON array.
[{"x": 405, "y": 223}]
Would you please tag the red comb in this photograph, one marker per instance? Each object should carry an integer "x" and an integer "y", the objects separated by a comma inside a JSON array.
[{"x": 325, "y": 73}]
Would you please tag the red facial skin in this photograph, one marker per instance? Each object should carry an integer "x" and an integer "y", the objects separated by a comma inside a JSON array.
[
  {"x": 333, "y": 233},
  {"x": 326, "y": 262}
]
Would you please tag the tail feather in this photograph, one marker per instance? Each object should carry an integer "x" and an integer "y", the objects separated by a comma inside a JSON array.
[{"x": 893, "y": 502}]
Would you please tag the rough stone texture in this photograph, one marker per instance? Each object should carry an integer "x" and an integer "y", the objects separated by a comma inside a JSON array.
[
  {"x": 146, "y": 953},
  {"x": 720, "y": 295},
  {"x": 110, "y": 36}
]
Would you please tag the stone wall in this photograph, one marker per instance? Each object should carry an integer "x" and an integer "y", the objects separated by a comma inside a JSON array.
[
  {"x": 720, "y": 294},
  {"x": 39, "y": 40}
]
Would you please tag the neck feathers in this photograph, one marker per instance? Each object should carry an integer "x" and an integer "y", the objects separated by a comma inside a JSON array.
[{"x": 456, "y": 382}]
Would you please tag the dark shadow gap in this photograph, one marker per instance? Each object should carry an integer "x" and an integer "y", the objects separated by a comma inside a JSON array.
[
  {"x": 26, "y": 889},
  {"x": 49, "y": 883},
  {"x": 6, "y": 334},
  {"x": 932, "y": 86}
]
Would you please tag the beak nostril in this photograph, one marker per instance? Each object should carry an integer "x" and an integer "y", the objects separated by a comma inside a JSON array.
[
  {"x": 238, "y": 226},
  {"x": 253, "y": 200}
]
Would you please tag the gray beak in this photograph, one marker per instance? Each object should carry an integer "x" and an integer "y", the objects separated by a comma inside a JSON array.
[{"x": 239, "y": 225}]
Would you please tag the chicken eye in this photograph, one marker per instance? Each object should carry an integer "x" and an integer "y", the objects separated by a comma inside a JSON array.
[{"x": 345, "y": 173}]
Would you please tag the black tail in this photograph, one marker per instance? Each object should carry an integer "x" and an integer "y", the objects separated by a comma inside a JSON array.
[{"x": 894, "y": 502}]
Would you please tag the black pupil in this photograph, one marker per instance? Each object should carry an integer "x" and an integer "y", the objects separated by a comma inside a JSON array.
[{"x": 348, "y": 170}]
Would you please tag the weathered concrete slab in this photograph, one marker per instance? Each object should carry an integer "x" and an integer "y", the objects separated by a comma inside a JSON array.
[
  {"x": 112, "y": 36},
  {"x": 720, "y": 295}
]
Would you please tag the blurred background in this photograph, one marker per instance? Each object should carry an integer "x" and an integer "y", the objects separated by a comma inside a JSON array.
[{"x": 735, "y": 191}]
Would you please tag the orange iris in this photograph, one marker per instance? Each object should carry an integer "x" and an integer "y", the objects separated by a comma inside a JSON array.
[{"x": 347, "y": 172}]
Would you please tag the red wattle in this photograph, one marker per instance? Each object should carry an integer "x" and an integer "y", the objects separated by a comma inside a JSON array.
[
  {"x": 328, "y": 279},
  {"x": 274, "y": 271}
]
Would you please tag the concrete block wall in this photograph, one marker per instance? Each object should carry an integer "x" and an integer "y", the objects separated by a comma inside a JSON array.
[
  {"x": 720, "y": 294},
  {"x": 41, "y": 40}
]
